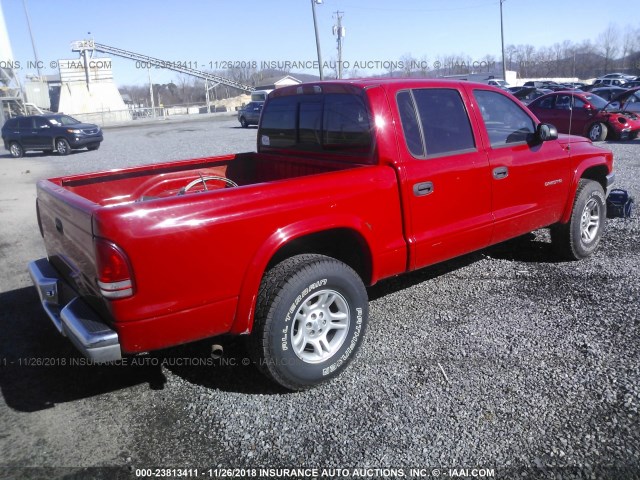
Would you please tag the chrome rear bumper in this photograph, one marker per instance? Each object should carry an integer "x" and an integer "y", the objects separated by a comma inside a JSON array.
[{"x": 75, "y": 320}]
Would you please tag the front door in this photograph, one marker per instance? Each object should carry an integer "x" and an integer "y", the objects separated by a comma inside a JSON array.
[{"x": 530, "y": 179}]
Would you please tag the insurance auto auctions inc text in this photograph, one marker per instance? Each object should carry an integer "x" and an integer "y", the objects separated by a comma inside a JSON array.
[{"x": 371, "y": 473}]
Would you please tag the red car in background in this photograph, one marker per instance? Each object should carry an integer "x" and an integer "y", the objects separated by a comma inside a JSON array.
[{"x": 585, "y": 114}]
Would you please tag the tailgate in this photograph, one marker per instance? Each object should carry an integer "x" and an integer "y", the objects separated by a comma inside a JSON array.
[{"x": 65, "y": 223}]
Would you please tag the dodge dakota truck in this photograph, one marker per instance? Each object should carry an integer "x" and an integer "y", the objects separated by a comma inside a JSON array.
[{"x": 352, "y": 182}]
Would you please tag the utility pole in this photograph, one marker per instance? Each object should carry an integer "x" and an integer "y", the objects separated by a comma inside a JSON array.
[
  {"x": 339, "y": 31},
  {"x": 315, "y": 26},
  {"x": 504, "y": 62},
  {"x": 153, "y": 103}
]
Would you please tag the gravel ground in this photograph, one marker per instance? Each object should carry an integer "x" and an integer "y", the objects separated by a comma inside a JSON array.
[{"x": 504, "y": 359}]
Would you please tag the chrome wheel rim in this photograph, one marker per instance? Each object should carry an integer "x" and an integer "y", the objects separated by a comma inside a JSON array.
[
  {"x": 320, "y": 326},
  {"x": 595, "y": 132},
  {"x": 590, "y": 221},
  {"x": 15, "y": 150},
  {"x": 62, "y": 148}
]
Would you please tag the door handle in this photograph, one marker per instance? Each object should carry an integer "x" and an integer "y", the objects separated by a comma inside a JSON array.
[
  {"x": 423, "y": 188},
  {"x": 500, "y": 172}
]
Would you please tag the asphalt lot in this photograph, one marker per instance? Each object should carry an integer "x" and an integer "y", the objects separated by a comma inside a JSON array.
[{"x": 504, "y": 359}]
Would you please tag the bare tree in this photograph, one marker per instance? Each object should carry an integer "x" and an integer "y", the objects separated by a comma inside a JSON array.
[
  {"x": 608, "y": 42},
  {"x": 408, "y": 65},
  {"x": 510, "y": 54},
  {"x": 629, "y": 41}
]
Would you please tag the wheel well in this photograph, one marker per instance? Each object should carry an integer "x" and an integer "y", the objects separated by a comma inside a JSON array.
[
  {"x": 598, "y": 174},
  {"x": 342, "y": 244}
]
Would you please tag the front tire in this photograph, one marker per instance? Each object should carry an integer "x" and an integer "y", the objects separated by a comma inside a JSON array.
[
  {"x": 62, "y": 146},
  {"x": 243, "y": 122},
  {"x": 581, "y": 236},
  {"x": 597, "y": 132},
  {"x": 310, "y": 320},
  {"x": 16, "y": 150}
]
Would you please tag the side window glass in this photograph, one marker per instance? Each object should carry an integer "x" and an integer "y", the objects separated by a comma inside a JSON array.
[
  {"x": 546, "y": 103},
  {"x": 40, "y": 122},
  {"x": 410, "y": 125},
  {"x": 444, "y": 121},
  {"x": 504, "y": 120},
  {"x": 25, "y": 123},
  {"x": 563, "y": 102},
  {"x": 577, "y": 103}
]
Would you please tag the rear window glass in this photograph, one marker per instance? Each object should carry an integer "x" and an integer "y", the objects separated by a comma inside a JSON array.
[{"x": 331, "y": 122}]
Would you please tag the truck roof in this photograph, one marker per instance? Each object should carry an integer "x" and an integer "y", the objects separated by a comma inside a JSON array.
[{"x": 353, "y": 85}]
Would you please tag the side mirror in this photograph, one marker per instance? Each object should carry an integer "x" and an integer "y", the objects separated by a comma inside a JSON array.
[{"x": 547, "y": 132}]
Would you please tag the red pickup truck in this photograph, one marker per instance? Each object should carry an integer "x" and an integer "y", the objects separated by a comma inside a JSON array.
[{"x": 352, "y": 182}]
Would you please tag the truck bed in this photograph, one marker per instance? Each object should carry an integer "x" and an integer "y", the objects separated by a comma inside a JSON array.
[
  {"x": 158, "y": 181},
  {"x": 190, "y": 253}
]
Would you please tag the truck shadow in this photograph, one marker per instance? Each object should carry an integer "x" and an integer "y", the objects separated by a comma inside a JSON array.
[
  {"x": 532, "y": 247},
  {"x": 39, "y": 368},
  {"x": 220, "y": 363}
]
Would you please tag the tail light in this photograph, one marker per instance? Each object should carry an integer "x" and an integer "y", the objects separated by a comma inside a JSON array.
[{"x": 115, "y": 279}]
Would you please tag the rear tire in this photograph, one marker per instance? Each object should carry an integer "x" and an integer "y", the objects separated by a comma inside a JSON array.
[
  {"x": 597, "y": 132},
  {"x": 311, "y": 315},
  {"x": 62, "y": 146},
  {"x": 243, "y": 122},
  {"x": 16, "y": 150},
  {"x": 581, "y": 236}
]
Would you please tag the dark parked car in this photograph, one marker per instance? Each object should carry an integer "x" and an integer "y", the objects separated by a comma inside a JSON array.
[
  {"x": 528, "y": 94},
  {"x": 608, "y": 92},
  {"x": 51, "y": 132},
  {"x": 250, "y": 114},
  {"x": 632, "y": 84},
  {"x": 548, "y": 84},
  {"x": 627, "y": 101},
  {"x": 585, "y": 114}
]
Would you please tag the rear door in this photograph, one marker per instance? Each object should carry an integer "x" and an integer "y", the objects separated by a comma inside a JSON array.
[
  {"x": 446, "y": 182},
  {"x": 28, "y": 137},
  {"x": 529, "y": 179},
  {"x": 41, "y": 133}
]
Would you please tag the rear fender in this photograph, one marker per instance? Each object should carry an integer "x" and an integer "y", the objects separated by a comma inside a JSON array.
[{"x": 282, "y": 237}]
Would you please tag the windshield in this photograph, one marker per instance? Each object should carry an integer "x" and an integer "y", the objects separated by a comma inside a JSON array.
[
  {"x": 596, "y": 101},
  {"x": 63, "y": 120}
]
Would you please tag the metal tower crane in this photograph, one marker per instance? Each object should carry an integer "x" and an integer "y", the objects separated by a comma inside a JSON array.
[{"x": 84, "y": 46}]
